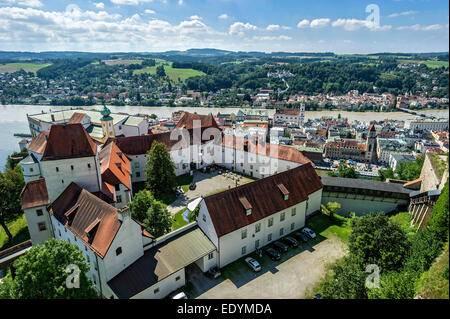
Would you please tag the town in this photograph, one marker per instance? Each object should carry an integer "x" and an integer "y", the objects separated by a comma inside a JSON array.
[{"x": 248, "y": 180}]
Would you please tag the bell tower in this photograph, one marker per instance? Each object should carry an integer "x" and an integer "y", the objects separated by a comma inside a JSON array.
[
  {"x": 371, "y": 144},
  {"x": 107, "y": 123}
]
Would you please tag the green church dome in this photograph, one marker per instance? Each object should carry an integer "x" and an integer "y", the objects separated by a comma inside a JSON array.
[{"x": 106, "y": 112}]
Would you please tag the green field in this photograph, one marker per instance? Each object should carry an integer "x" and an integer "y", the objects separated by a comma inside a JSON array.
[
  {"x": 27, "y": 67},
  {"x": 173, "y": 74},
  {"x": 178, "y": 220},
  {"x": 430, "y": 64},
  {"x": 19, "y": 231}
]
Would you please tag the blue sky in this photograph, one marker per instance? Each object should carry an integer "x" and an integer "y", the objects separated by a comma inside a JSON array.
[{"x": 340, "y": 26}]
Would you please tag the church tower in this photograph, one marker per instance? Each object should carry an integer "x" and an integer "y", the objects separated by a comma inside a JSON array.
[
  {"x": 107, "y": 124},
  {"x": 371, "y": 145}
]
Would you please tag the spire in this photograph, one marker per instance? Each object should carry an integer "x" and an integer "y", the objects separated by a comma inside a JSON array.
[{"x": 105, "y": 112}]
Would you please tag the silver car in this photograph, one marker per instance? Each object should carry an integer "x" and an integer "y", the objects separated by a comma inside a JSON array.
[
  {"x": 309, "y": 232},
  {"x": 253, "y": 264}
]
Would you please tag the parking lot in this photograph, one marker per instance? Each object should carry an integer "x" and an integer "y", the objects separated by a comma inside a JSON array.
[
  {"x": 294, "y": 276},
  {"x": 207, "y": 184}
]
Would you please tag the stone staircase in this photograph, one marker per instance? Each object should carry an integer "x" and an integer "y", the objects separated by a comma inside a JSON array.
[{"x": 421, "y": 207}]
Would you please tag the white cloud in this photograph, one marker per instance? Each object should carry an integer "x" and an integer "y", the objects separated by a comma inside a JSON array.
[
  {"x": 319, "y": 23},
  {"x": 404, "y": 13},
  {"x": 24, "y": 3},
  {"x": 99, "y": 5},
  {"x": 418, "y": 27},
  {"x": 180, "y": 2},
  {"x": 269, "y": 38},
  {"x": 195, "y": 17},
  {"x": 239, "y": 28},
  {"x": 273, "y": 27},
  {"x": 148, "y": 11},
  {"x": 303, "y": 24},
  {"x": 355, "y": 24},
  {"x": 130, "y": 2},
  {"x": 286, "y": 28},
  {"x": 223, "y": 16}
]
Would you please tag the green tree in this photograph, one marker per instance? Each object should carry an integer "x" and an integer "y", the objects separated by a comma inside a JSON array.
[
  {"x": 384, "y": 174},
  {"x": 41, "y": 273},
  {"x": 347, "y": 282},
  {"x": 333, "y": 208},
  {"x": 150, "y": 212},
  {"x": 410, "y": 170},
  {"x": 394, "y": 285},
  {"x": 160, "y": 170},
  {"x": 11, "y": 184},
  {"x": 345, "y": 171},
  {"x": 439, "y": 219},
  {"x": 160, "y": 71},
  {"x": 377, "y": 240}
]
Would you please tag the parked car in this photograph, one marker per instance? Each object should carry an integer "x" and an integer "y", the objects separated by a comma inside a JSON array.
[
  {"x": 180, "y": 295},
  {"x": 318, "y": 296},
  {"x": 253, "y": 263},
  {"x": 300, "y": 236},
  {"x": 290, "y": 241},
  {"x": 272, "y": 253},
  {"x": 193, "y": 186},
  {"x": 278, "y": 245},
  {"x": 308, "y": 232},
  {"x": 213, "y": 272}
]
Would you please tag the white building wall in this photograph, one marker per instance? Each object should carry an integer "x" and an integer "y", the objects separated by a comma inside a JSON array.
[
  {"x": 231, "y": 244},
  {"x": 38, "y": 237},
  {"x": 207, "y": 262},
  {"x": 205, "y": 223},
  {"x": 314, "y": 202},
  {"x": 163, "y": 287}
]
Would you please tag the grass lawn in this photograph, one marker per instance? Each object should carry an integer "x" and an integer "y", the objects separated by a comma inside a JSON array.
[
  {"x": 172, "y": 73},
  {"x": 178, "y": 220},
  {"x": 27, "y": 67},
  {"x": 184, "y": 181},
  {"x": 432, "y": 284},
  {"x": 326, "y": 227},
  {"x": 18, "y": 229},
  {"x": 404, "y": 220},
  {"x": 430, "y": 64}
]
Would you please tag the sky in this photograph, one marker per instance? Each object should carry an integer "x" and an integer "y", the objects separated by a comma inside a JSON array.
[{"x": 339, "y": 26}]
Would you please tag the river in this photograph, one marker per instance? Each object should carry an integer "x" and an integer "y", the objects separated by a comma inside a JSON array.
[{"x": 13, "y": 118}]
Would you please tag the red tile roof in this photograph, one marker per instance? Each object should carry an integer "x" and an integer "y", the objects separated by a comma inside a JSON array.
[
  {"x": 68, "y": 141},
  {"x": 34, "y": 194},
  {"x": 39, "y": 143},
  {"x": 76, "y": 118},
  {"x": 115, "y": 167},
  {"x": 288, "y": 111},
  {"x": 264, "y": 196},
  {"x": 85, "y": 209},
  {"x": 187, "y": 121},
  {"x": 282, "y": 152}
]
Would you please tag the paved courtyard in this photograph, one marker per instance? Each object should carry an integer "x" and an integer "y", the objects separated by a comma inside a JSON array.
[
  {"x": 207, "y": 184},
  {"x": 294, "y": 276}
]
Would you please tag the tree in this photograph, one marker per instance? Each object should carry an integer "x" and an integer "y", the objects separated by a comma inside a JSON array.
[
  {"x": 411, "y": 170},
  {"x": 394, "y": 285},
  {"x": 41, "y": 273},
  {"x": 377, "y": 240},
  {"x": 192, "y": 216},
  {"x": 11, "y": 184},
  {"x": 333, "y": 208},
  {"x": 384, "y": 174},
  {"x": 439, "y": 220},
  {"x": 160, "y": 71},
  {"x": 347, "y": 282},
  {"x": 344, "y": 171},
  {"x": 160, "y": 170},
  {"x": 152, "y": 213}
]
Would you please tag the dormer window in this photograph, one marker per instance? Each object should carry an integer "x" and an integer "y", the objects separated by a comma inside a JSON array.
[
  {"x": 246, "y": 204},
  {"x": 283, "y": 191}
]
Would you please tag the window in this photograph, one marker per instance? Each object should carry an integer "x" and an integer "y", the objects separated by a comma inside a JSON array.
[
  {"x": 137, "y": 165},
  {"x": 271, "y": 222},
  {"x": 282, "y": 216},
  {"x": 244, "y": 234},
  {"x": 204, "y": 217},
  {"x": 119, "y": 199},
  {"x": 88, "y": 259},
  {"x": 57, "y": 169},
  {"x": 269, "y": 237},
  {"x": 177, "y": 278},
  {"x": 89, "y": 165},
  {"x": 59, "y": 233},
  {"x": 257, "y": 227},
  {"x": 156, "y": 291},
  {"x": 210, "y": 256},
  {"x": 292, "y": 226},
  {"x": 294, "y": 211},
  {"x": 256, "y": 243},
  {"x": 62, "y": 181},
  {"x": 138, "y": 174},
  {"x": 118, "y": 251},
  {"x": 117, "y": 187},
  {"x": 71, "y": 167},
  {"x": 31, "y": 169},
  {"x": 244, "y": 250},
  {"x": 41, "y": 226},
  {"x": 39, "y": 212},
  {"x": 281, "y": 231}
]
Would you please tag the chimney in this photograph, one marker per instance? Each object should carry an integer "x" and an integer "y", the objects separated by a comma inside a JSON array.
[{"x": 124, "y": 214}]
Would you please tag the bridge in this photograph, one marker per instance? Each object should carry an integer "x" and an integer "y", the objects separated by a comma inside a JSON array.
[
  {"x": 8, "y": 255},
  {"x": 415, "y": 113}
]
